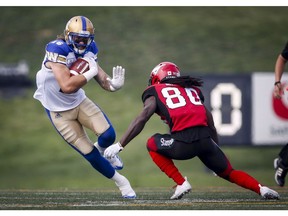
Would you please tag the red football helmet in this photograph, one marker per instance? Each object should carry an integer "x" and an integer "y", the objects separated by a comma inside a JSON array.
[{"x": 163, "y": 70}]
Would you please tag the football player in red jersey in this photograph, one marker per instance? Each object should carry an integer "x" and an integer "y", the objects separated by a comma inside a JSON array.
[
  {"x": 281, "y": 162},
  {"x": 179, "y": 102}
]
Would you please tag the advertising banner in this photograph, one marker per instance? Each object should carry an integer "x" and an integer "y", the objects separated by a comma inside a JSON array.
[{"x": 269, "y": 115}]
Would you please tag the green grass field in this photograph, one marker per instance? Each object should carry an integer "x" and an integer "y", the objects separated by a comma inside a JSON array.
[{"x": 211, "y": 198}]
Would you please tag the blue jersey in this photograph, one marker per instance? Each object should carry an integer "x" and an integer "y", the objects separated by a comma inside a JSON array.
[
  {"x": 48, "y": 90},
  {"x": 59, "y": 51}
]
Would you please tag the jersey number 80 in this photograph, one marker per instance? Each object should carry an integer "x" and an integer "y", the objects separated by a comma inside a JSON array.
[{"x": 174, "y": 99}]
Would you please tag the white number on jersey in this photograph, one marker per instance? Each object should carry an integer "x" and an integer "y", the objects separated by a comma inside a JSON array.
[{"x": 174, "y": 99}]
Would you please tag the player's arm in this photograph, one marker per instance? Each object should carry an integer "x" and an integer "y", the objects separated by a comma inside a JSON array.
[
  {"x": 108, "y": 83},
  {"x": 101, "y": 78},
  {"x": 62, "y": 74},
  {"x": 56, "y": 61},
  {"x": 135, "y": 127},
  {"x": 211, "y": 125},
  {"x": 279, "y": 68}
]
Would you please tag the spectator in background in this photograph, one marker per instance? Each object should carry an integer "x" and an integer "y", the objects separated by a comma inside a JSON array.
[
  {"x": 281, "y": 162},
  {"x": 178, "y": 101}
]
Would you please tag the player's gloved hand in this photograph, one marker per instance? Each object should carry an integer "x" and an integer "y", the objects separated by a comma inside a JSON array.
[
  {"x": 93, "y": 68},
  {"x": 112, "y": 150},
  {"x": 118, "y": 78},
  {"x": 92, "y": 62}
]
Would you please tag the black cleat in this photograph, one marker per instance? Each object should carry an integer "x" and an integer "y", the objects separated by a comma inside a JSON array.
[{"x": 280, "y": 173}]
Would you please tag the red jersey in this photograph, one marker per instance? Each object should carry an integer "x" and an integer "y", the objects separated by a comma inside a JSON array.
[{"x": 179, "y": 107}]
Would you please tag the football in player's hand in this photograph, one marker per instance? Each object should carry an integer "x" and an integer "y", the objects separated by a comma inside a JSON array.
[{"x": 80, "y": 66}]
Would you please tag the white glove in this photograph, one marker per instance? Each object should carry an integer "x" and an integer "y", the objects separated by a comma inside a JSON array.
[
  {"x": 91, "y": 61},
  {"x": 118, "y": 78},
  {"x": 93, "y": 68},
  {"x": 112, "y": 150}
]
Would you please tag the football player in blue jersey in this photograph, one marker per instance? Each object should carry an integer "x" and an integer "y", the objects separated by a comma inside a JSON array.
[{"x": 66, "y": 104}]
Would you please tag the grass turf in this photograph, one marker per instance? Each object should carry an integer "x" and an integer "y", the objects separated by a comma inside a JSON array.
[{"x": 208, "y": 198}]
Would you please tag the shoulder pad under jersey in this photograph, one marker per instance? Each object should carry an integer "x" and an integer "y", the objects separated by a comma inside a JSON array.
[
  {"x": 58, "y": 46},
  {"x": 57, "y": 51}
]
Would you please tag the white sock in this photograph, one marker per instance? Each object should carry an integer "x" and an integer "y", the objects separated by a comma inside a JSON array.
[{"x": 118, "y": 178}]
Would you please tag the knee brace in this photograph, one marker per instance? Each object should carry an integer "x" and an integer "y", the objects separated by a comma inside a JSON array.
[{"x": 107, "y": 138}]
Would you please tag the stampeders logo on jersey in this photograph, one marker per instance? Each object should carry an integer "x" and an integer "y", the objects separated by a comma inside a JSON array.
[
  {"x": 280, "y": 106},
  {"x": 166, "y": 143}
]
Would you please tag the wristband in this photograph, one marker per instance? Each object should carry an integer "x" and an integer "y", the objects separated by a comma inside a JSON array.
[
  {"x": 276, "y": 83},
  {"x": 90, "y": 74}
]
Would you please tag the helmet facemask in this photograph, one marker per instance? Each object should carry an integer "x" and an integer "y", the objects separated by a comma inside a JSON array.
[{"x": 79, "y": 42}]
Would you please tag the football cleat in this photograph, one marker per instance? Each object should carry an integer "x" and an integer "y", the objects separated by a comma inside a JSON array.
[
  {"x": 268, "y": 193},
  {"x": 280, "y": 172},
  {"x": 181, "y": 190},
  {"x": 126, "y": 189},
  {"x": 116, "y": 162}
]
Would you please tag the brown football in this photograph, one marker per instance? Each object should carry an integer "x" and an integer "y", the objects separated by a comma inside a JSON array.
[{"x": 80, "y": 66}]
